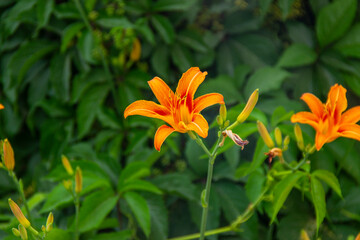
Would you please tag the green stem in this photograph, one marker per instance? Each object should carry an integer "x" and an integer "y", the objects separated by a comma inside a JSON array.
[
  {"x": 103, "y": 60},
  {"x": 77, "y": 207},
  {"x": 205, "y": 199},
  {"x": 22, "y": 195}
]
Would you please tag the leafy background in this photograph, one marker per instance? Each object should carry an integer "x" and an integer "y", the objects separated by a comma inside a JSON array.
[{"x": 65, "y": 83}]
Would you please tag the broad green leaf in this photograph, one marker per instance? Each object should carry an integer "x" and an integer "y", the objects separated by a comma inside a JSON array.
[
  {"x": 297, "y": 55},
  {"x": 285, "y": 6},
  {"x": 26, "y": 56},
  {"x": 139, "y": 185},
  {"x": 114, "y": 22},
  {"x": 60, "y": 74},
  {"x": 173, "y": 5},
  {"x": 159, "y": 217},
  {"x": 164, "y": 28},
  {"x": 177, "y": 184},
  {"x": 13, "y": 16},
  {"x": 280, "y": 115},
  {"x": 88, "y": 107},
  {"x": 192, "y": 40},
  {"x": 121, "y": 235},
  {"x": 69, "y": 33},
  {"x": 160, "y": 61},
  {"x": 95, "y": 208},
  {"x": 140, "y": 209},
  {"x": 36, "y": 199},
  {"x": 266, "y": 79},
  {"x": 318, "y": 197},
  {"x": 349, "y": 45},
  {"x": 254, "y": 185},
  {"x": 282, "y": 190},
  {"x": 329, "y": 178},
  {"x": 44, "y": 9},
  {"x": 353, "y": 82},
  {"x": 58, "y": 234},
  {"x": 143, "y": 27},
  {"x": 301, "y": 34},
  {"x": 133, "y": 170},
  {"x": 181, "y": 57},
  {"x": 86, "y": 46},
  {"x": 334, "y": 20}
]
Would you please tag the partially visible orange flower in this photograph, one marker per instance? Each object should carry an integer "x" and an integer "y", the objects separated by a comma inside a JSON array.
[
  {"x": 328, "y": 119},
  {"x": 180, "y": 110},
  {"x": 1, "y": 106}
]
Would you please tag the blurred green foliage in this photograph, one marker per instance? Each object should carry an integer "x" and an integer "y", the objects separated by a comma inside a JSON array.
[{"x": 67, "y": 76}]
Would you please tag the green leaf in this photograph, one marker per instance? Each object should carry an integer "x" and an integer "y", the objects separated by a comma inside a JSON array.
[
  {"x": 172, "y": 5},
  {"x": 193, "y": 40},
  {"x": 142, "y": 26},
  {"x": 285, "y": 6},
  {"x": 297, "y": 55},
  {"x": 160, "y": 61},
  {"x": 159, "y": 217},
  {"x": 95, "y": 208},
  {"x": 329, "y": 178},
  {"x": 280, "y": 115},
  {"x": 137, "y": 184},
  {"x": 121, "y": 235},
  {"x": 58, "y": 234},
  {"x": 132, "y": 171},
  {"x": 88, "y": 107},
  {"x": 114, "y": 22},
  {"x": 164, "y": 28},
  {"x": 318, "y": 197},
  {"x": 181, "y": 57},
  {"x": 282, "y": 190},
  {"x": 69, "y": 33},
  {"x": 334, "y": 20},
  {"x": 254, "y": 185},
  {"x": 60, "y": 73},
  {"x": 26, "y": 56},
  {"x": 43, "y": 10},
  {"x": 140, "y": 209},
  {"x": 349, "y": 45},
  {"x": 266, "y": 79}
]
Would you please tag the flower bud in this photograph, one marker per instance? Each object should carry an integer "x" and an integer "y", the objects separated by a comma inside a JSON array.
[
  {"x": 23, "y": 232},
  {"x": 8, "y": 154},
  {"x": 223, "y": 112},
  {"x": 1, "y": 106},
  {"x": 286, "y": 142},
  {"x": 67, "y": 184},
  {"x": 236, "y": 139},
  {"x": 136, "y": 50},
  {"x": 278, "y": 137},
  {"x": 248, "y": 107},
  {"x": 18, "y": 214},
  {"x": 227, "y": 123},
  {"x": 15, "y": 232},
  {"x": 67, "y": 165},
  {"x": 265, "y": 135},
  {"x": 299, "y": 137},
  {"x": 304, "y": 235},
  {"x": 43, "y": 228},
  {"x": 49, "y": 222},
  {"x": 219, "y": 120},
  {"x": 78, "y": 180},
  {"x": 275, "y": 152}
]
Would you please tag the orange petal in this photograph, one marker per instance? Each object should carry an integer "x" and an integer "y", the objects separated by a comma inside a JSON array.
[
  {"x": 337, "y": 99},
  {"x": 161, "y": 134},
  {"x": 189, "y": 82},
  {"x": 199, "y": 125},
  {"x": 1, "y": 106},
  {"x": 351, "y": 116},
  {"x": 306, "y": 118},
  {"x": 161, "y": 91},
  {"x": 314, "y": 103},
  {"x": 350, "y": 131},
  {"x": 320, "y": 140},
  {"x": 149, "y": 109},
  {"x": 207, "y": 100}
]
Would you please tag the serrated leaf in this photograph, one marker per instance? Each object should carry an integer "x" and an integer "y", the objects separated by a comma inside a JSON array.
[
  {"x": 95, "y": 208},
  {"x": 282, "y": 190},
  {"x": 140, "y": 209},
  {"x": 69, "y": 33},
  {"x": 329, "y": 178},
  {"x": 88, "y": 107},
  {"x": 297, "y": 55},
  {"x": 334, "y": 20},
  {"x": 266, "y": 79},
  {"x": 164, "y": 28},
  {"x": 318, "y": 197}
]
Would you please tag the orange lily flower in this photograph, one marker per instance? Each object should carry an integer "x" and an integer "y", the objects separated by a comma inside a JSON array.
[
  {"x": 180, "y": 110},
  {"x": 328, "y": 119}
]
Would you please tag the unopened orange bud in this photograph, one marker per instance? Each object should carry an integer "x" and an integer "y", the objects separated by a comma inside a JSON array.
[
  {"x": 23, "y": 232},
  {"x": 78, "y": 180},
  {"x": 265, "y": 135},
  {"x": 299, "y": 137},
  {"x": 136, "y": 50},
  {"x": 49, "y": 222},
  {"x": 67, "y": 165},
  {"x": 8, "y": 153},
  {"x": 358, "y": 237},
  {"x": 248, "y": 107},
  {"x": 1, "y": 106},
  {"x": 18, "y": 214},
  {"x": 278, "y": 137}
]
